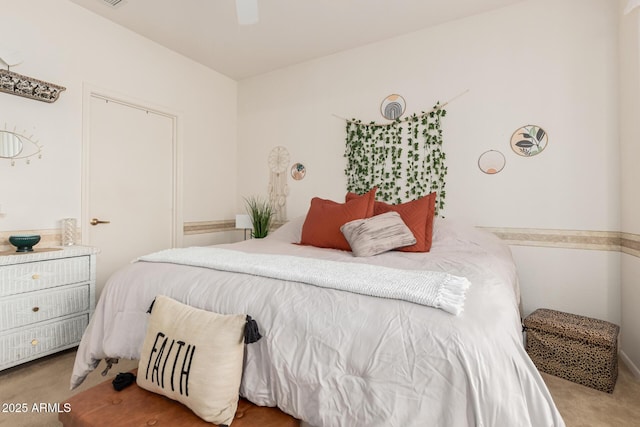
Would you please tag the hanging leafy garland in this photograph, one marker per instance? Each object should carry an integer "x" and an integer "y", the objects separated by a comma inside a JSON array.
[{"x": 404, "y": 158}]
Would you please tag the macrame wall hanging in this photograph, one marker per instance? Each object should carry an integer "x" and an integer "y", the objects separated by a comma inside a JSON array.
[
  {"x": 404, "y": 158},
  {"x": 278, "y": 189}
]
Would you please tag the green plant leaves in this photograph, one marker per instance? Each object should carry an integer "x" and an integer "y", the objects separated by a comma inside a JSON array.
[
  {"x": 261, "y": 213},
  {"x": 524, "y": 143},
  {"x": 398, "y": 160}
]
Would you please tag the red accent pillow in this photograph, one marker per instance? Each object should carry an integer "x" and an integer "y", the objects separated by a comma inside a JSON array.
[
  {"x": 321, "y": 227},
  {"x": 417, "y": 215}
]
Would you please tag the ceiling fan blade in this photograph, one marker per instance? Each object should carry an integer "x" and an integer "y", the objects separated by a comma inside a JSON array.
[{"x": 247, "y": 11}]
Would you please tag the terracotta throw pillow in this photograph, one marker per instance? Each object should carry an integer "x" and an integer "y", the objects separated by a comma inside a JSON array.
[
  {"x": 378, "y": 234},
  {"x": 321, "y": 227},
  {"x": 195, "y": 357},
  {"x": 417, "y": 215}
]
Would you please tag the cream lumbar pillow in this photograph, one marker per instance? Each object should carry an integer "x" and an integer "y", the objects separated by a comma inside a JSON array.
[
  {"x": 195, "y": 357},
  {"x": 378, "y": 234}
]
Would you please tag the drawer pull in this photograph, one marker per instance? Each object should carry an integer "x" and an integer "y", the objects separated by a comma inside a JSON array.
[
  {"x": 34, "y": 342},
  {"x": 35, "y": 309},
  {"x": 35, "y": 276}
]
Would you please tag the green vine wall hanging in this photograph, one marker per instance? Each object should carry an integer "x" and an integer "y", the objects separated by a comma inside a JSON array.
[{"x": 404, "y": 158}]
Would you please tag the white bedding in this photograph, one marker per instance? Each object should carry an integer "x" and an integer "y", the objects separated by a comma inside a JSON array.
[
  {"x": 431, "y": 288},
  {"x": 334, "y": 358}
]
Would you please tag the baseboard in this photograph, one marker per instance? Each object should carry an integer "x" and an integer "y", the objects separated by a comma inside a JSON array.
[{"x": 632, "y": 367}]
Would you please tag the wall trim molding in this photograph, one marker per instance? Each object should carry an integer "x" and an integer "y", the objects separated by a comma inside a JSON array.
[
  {"x": 572, "y": 239},
  {"x": 630, "y": 244},
  {"x": 616, "y": 241},
  {"x": 204, "y": 227}
]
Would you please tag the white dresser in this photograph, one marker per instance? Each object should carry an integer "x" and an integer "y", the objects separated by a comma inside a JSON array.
[{"x": 46, "y": 298}]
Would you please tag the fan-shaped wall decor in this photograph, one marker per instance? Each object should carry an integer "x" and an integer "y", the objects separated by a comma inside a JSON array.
[
  {"x": 529, "y": 140},
  {"x": 491, "y": 162},
  {"x": 392, "y": 107}
]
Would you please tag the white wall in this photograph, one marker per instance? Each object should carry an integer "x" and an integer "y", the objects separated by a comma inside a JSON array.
[
  {"x": 630, "y": 153},
  {"x": 586, "y": 282},
  {"x": 65, "y": 44},
  {"x": 546, "y": 62},
  {"x": 561, "y": 75}
]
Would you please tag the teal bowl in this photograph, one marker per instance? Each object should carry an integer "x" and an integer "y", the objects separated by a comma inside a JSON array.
[{"x": 25, "y": 242}]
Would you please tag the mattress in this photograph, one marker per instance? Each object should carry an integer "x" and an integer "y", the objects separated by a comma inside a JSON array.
[{"x": 335, "y": 358}]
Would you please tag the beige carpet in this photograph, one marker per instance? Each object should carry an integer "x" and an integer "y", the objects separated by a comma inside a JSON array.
[
  {"x": 585, "y": 407},
  {"x": 47, "y": 381}
]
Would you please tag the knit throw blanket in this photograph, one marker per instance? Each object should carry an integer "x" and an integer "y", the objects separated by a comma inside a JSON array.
[{"x": 430, "y": 288}]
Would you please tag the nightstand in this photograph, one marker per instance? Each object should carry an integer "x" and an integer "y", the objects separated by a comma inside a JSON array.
[{"x": 46, "y": 299}]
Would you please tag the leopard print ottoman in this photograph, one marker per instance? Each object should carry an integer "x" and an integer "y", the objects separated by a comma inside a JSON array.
[{"x": 573, "y": 347}]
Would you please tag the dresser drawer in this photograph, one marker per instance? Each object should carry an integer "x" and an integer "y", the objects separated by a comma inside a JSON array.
[
  {"x": 39, "y": 306},
  {"x": 42, "y": 339},
  {"x": 27, "y": 277}
]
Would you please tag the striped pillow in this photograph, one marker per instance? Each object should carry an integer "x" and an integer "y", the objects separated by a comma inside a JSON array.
[{"x": 378, "y": 234}]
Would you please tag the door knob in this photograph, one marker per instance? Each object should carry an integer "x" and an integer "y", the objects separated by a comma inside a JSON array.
[{"x": 96, "y": 221}]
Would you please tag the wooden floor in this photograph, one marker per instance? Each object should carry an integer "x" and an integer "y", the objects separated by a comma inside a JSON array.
[
  {"x": 42, "y": 382},
  {"x": 46, "y": 381}
]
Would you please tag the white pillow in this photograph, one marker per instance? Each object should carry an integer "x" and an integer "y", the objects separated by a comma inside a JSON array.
[
  {"x": 290, "y": 231},
  {"x": 380, "y": 233},
  {"x": 195, "y": 357}
]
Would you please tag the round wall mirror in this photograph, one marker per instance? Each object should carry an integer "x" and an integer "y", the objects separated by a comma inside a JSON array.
[{"x": 10, "y": 145}]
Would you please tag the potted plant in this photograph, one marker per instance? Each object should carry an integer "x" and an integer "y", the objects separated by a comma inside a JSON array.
[{"x": 261, "y": 213}]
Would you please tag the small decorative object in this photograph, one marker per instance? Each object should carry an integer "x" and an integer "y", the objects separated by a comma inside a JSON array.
[
  {"x": 298, "y": 171},
  {"x": 529, "y": 140},
  {"x": 17, "y": 84},
  {"x": 261, "y": 213},
  {"x": 69, "y": 229},
  {"x": 491, "y": 162},
  {"x": 278, "y": 161},
  {"x": 25, "y": 242},
  {"x": 392, "y": 107}
]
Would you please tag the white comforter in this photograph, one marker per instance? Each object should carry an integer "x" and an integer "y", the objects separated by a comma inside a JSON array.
[{"x": 340, "y": 359}]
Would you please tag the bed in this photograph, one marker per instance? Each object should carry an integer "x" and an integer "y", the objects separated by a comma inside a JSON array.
[{"x": 336, "y": 358}]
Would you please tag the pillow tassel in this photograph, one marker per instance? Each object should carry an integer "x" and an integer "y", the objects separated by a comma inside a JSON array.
[
  {"x": 251, "y": 332},
  {"x": 151, "y": 306}
]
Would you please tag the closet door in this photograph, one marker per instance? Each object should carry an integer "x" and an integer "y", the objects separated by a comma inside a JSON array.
[{"x": 130, "y": 180}]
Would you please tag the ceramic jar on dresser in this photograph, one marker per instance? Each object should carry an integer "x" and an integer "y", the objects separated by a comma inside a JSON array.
[{"x": 46, "y": 298}]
